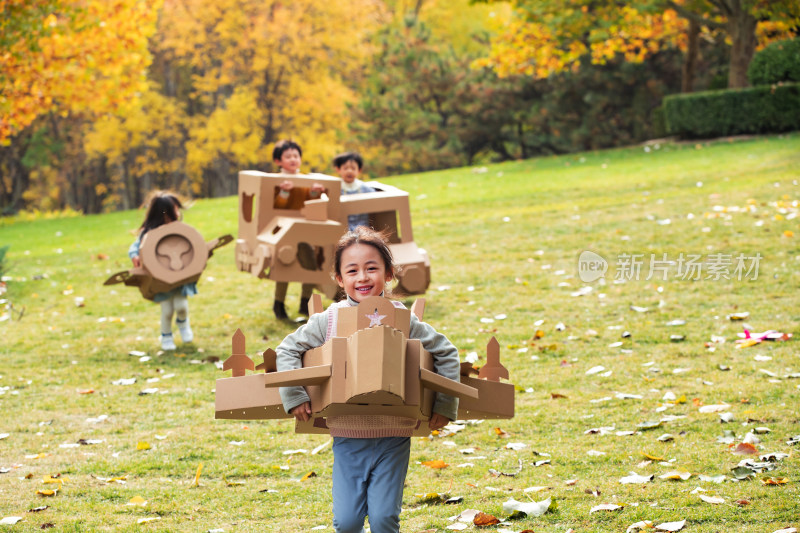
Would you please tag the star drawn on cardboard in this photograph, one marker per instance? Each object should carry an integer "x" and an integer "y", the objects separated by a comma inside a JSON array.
[{"x": 375, "y": 319}]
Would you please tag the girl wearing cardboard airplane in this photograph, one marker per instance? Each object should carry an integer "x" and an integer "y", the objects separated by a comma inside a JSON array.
[
  {"x": 370, "y": 452},
  {"x": 165, "y": 207}
]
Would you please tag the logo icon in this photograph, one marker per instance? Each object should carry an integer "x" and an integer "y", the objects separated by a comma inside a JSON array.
[{"x": 591, "y": 266}]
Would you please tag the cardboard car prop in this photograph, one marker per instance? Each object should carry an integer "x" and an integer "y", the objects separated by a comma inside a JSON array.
[
  {"x": 172, "y": 255},
  {"x": 295, "y": 241},
  {"x": 370, "y": 367}
]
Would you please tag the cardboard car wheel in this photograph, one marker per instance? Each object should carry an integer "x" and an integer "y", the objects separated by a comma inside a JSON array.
[
  {"x": 413, "y": 279},
  {"x": 287, "y": 254},
  {"x": 174, "y": 252}
]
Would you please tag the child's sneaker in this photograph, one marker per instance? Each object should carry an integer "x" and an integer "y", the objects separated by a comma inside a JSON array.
[
  {"x": 167, "y": 342},
  {"x": 185, "y": 330}
]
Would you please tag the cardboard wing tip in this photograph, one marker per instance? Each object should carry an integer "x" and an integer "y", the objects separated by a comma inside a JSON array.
[{"x": 119, "y": 277}]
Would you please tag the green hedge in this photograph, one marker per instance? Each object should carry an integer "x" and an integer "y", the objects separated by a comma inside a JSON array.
[
  {"x": 778, "y": 62},
  {"x": 765, "y": 109}
]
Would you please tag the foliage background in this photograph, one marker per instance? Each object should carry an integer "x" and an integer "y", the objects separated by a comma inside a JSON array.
[{"x": 103, "y": 101}]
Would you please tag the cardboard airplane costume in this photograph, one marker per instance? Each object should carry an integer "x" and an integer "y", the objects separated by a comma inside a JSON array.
[
  {"x": 289, "y": 236},
  {"x": 172, "y": 255},
  {"x": 370, "y": 367}
]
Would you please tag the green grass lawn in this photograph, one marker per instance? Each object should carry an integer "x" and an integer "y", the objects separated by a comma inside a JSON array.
[{"x": 504, "y": 243}]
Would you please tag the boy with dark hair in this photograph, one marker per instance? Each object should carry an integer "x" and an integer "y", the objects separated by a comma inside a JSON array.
[
  {"x": 349, "y": 165},
  {"x": 288, "y": 156}
]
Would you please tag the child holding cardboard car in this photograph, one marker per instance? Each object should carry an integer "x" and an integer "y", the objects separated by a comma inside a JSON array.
[
  {"x": 288, "y": 156},
  {"x": 165, "y": 207},
  {"x": 349, "y": 165},
  {"x": 371, "y": 452}
]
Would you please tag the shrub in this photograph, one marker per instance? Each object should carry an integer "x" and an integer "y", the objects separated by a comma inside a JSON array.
[
  {"x": 754, "y": 110},
  {"x": 778, "y": 62}
]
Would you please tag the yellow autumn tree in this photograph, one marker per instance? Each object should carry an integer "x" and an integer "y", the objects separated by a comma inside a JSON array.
[
  {"x": 255, "y": 71},
  {"x": 71, "y": 57},
  {"x": 550, "y": 36},
  {"x": 139, "y": 149}
]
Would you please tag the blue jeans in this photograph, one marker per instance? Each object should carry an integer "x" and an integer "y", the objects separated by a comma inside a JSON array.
[{"x": 368, "y": 478}]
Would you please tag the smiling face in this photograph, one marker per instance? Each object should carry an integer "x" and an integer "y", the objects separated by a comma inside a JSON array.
[
  {"x": 363, "y": 272},
  {"x": 290, "y": 161}
]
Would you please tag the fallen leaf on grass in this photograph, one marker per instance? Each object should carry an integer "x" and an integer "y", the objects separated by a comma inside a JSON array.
[
  {"x": 141, "y": 445},
  {"x": 671, "y": 526},
  {"x": 773, "y": 457},
  {"x": 741, "y": 503},
  {"x": 644, "y": 524},
  {"x": 431, "y": 497},
  {"x": 711, "y": 499},
  {"x": 531, "y": 509},
  {"x": 682, "y": 475},
  {"x": 148, "y": 519},
  {"x": 10, "y": 520},
  {"x": 47, "y": 492},
  {"x": 39, "y": 509},
  {"x": 483, "y": 519},
  {"x": 649, "y": 425},
  {"x": 712, "y": 479},
  {"x": 787, "y": 530},
  {"x": 742, "y": 472},
  {"x": 605, "y": 507},
  {"x": 745, "y": 448},
  {"x": 714, "y": 408},
  {"x": 197, "y": 475},
  {"x": 308, "y": 476},
  {"x": 501, "y": 433},
  {"x": 652, "y": 457},
  {"x": 436, "y": 464},
  {"x": 138, "y": 501},
  {"x": 775, "y": 481},
  {"x": 636, "y": 478}
]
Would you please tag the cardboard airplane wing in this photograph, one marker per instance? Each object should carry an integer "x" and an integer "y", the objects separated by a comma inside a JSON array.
[
  {"x": 375, "y": 369},
  {"x": 172, "y": 255}
]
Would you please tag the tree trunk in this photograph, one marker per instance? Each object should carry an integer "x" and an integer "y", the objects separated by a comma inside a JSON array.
[
  {"x": 742, "y": 31},
  {"x": 690, "y": 62}
]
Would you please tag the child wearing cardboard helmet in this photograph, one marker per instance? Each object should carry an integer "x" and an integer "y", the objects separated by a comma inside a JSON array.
[
  {"x": 371, "y": 452},
  {"x": 164, "y": 207}
]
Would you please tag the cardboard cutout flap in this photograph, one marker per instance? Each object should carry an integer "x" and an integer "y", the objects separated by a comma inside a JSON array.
[
  {"x": 313, "y": 375},
  {"x": 434, "y": 381},
  {"x": 418, "y": 308},
  {"x": 375, "y": 311},
  {"x": 238, "y": 361},
  {"x": 270, "y": 363},
  {"x": 219, "y": 242},
  {"x": 493, "y": 370},
  {"x": 315, "y": 304},
  {"x": 119, "y": 277}
]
